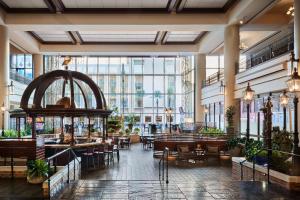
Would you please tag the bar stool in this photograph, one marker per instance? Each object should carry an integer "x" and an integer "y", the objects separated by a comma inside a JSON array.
[
  {"x": 109, "y": 151},
  {"x": 89, "y": 156},
  {"x": 99, "y": 152}
]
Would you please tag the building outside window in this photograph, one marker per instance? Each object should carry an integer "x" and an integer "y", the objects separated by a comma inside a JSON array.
[
  {"x": 21, "y": 67},
  {"x": 132, "y": 84}
]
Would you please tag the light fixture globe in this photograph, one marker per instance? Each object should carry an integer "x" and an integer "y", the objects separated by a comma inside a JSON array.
[
  {"x": 248, "y": 94},
  {"x": 284, "y": 99},
  {"x": 205, "y": 110},
  {"x": 3, "y": 107},
  {"x": 168, "y": 111},
  {"x": 294, "y": 82}
]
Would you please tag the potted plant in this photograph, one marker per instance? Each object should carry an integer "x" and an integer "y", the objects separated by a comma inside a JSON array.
[
  {"x": 233, "y": 146},
  {"x": 230, "y": 112},
  {"x": 136, "y": 131},
  {"x": 127, "y": 131},
  {"x": 131, "y": 121},
  {"x": 37, "y": 171}
]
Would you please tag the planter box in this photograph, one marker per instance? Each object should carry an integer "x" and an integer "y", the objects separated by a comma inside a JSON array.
[
  {"x": 134, "y": 138},
  {"x": 287, "y": 181}
]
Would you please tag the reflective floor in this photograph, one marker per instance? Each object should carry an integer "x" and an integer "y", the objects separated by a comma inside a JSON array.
[{"x": 140, "y": 190}]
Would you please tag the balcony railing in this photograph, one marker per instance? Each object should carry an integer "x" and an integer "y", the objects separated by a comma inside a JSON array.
[
  {"x": 277, "y": 48},
  {"x": 214, "y": 78},
  {"x": 21, "y": 79}
]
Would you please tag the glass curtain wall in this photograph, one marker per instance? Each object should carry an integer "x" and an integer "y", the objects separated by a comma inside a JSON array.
[
  {"x": 257, "y": 117},
  {"x": 143, "y": 86}
]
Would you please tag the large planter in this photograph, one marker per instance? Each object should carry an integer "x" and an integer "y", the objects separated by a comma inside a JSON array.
[
  {"x": 134, "y": 138},
  {"x": 230, "y": 130},
  {"x": 35, "y": 179},
  {"x": 235, "y": 152}
]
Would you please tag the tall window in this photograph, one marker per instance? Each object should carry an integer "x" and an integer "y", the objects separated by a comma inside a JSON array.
[
  {"x": 21, "y": 67},
  {"x": 143, "y": 86}
]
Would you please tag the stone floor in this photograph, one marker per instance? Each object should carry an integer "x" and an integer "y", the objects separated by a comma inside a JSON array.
[
  {"x": 19, "y": 189},
  {"x": 139, "y": 164},
  {"x": 156, "y": 190}
]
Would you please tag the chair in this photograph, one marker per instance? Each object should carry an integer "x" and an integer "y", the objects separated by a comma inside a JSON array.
[
  {"x": 127, "y": 142},
  {"x": 89, "y": 156},
  {"x": 146, "y": 143},
  {"x": 99, "y": 152},
  {"x": 212, "y": 151},
  {"x": 109, "y": 151},
  {"x": 185, "y": 153}
]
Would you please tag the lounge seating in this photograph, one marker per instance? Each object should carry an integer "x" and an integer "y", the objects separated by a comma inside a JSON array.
[{"x": 185, "y": 152}]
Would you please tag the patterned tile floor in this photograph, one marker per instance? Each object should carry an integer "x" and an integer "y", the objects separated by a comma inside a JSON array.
[
  {"x": 155, "y": 190},
  {"x": 139, "y": 164}
]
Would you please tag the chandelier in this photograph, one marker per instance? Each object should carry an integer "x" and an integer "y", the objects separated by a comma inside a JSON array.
[{"x": 290, "y": 11}]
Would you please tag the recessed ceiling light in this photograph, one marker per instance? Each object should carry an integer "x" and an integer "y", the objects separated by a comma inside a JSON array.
[{"x": 241, "y": 22}]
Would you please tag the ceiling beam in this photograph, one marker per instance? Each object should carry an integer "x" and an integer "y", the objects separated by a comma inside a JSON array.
[
  {"x": 71, "y": 37},
  {"x": 59, "y": 5},
  {"x": 50, "y": 5},
  {"x": 164, "y": 37},
  {"x": 181, "y": 5},
  {"x": 116, "y": 49},
  {"x": 171, "y": 6},
  {"x": 116, "y": 22},
  {"x": 199, "y": 37}
]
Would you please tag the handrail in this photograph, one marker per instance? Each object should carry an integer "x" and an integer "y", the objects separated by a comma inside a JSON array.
[
  {"x": 51, "y": 158},
  {"x": 268, "y": 161},
  {"x": 165, "y": 152}
]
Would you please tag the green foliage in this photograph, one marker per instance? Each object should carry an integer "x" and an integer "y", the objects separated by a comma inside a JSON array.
[
  {"x": 233, "y": 142},
  {"x": 278, "y": 161},
  {"x": 282, "y": 140},
  {"x": 127, "y": 131},
  {"x": 212, "y": 132},
  {"x": 114, "y": 121},
  {"x": 157, "y": 94},
  {"x": 10, "y": 133},
  {"x": 252, "y": 147},
  {"x": 136, "y": 130},
  {"x": 37, "y": 168},
  {"x": 130, "y": 119},
  {"x": 230, "y": 112}
]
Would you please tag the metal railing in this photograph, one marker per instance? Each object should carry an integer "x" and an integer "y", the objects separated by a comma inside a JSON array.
[
  {"x": 162, "y": 162},
  {"x": 214, "y": 78},
  {"x": 268, "y": 163},
  {"x": 53, "y": 158},
  {"x": 275, "y": 49}
]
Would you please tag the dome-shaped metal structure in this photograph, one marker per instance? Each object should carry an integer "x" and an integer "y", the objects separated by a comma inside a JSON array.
[{"x": 40, "y": 85}]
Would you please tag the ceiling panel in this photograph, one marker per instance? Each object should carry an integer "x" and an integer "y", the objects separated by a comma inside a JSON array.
[
  {"x": 25, "y": 3},
  {"x": 115, "y": 3},
  {"x": 53, "y": 36},
  {"x": 110, "y": 36},
  {"x": 182, "y": 36},
  {"x": 205, "y": 3}
]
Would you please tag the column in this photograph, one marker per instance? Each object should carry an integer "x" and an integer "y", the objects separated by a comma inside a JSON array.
[
  {"x": 37, "y": 64},
  {"x": 231, "y": 61},
  {"x": 297, "y": 56},
  {"x": 4, "y": 72},
  {"x": 297, "y": 29},
  {"x": 200, "y": 62}
]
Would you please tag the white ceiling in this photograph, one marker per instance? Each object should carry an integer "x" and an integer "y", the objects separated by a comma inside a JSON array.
[
  {"x": 25, "y": 3},
  {"x": 54, "y": 36},
  {"x": 182, "y": 36},
  {"x": 205, "y": 3},
  {"x": 116, "y": 36},
  {"x": 115, "y": 3}
]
